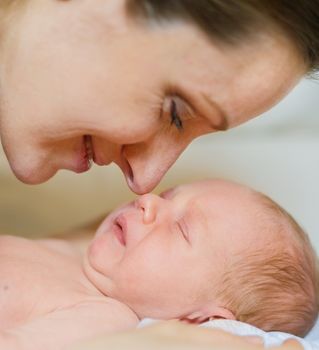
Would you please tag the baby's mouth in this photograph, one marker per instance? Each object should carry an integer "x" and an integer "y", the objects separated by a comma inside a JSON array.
[{"x": 119, "y": 227}]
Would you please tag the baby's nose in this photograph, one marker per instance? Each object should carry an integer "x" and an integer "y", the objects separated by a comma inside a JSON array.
[{"x": 149, "y": 203}]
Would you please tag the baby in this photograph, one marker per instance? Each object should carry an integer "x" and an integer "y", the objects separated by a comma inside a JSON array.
[{"x": 206, "y": 250}]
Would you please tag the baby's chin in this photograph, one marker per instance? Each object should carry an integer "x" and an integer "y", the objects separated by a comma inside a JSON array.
[
  {"x": 104, "y": 252},
  {"x": 97, "y": 279}
]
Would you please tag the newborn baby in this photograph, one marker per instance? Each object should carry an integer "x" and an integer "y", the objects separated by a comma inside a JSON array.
[{"x": 206, "y": 250}]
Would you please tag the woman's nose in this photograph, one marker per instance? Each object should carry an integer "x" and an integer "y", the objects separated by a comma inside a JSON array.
[
  {"x": 149, "y": 203},
  {"x": 146, "y": 163}
]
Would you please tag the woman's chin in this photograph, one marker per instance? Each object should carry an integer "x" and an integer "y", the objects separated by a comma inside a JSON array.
[{"x": 32, "y": 176}]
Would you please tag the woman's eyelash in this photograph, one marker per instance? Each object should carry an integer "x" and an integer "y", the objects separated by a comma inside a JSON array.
[{"x": 175, "y": 118}]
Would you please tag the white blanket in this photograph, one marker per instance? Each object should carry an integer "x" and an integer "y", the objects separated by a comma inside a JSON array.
[{"x": 310, "y": 342}]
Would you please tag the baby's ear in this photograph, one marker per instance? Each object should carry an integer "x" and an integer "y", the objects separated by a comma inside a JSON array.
[{"x": 208, "y": 313}]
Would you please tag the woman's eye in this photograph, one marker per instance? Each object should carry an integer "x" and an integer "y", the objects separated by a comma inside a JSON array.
[{"x": 175, "y": 118}]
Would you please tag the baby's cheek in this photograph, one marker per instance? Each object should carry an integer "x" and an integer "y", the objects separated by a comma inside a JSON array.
[
  {"x": 103, "y": 255},
  {"x": 138, "y": 272}
]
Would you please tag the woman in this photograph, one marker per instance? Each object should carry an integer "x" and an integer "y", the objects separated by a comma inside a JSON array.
[{"x": 135, "y": 81}]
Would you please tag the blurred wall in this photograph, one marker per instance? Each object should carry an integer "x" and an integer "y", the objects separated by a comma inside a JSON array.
[{"x": 277, "y": 153}]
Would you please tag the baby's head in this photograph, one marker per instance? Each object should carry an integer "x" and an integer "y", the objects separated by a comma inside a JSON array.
[{"x": 211, "y": 249}]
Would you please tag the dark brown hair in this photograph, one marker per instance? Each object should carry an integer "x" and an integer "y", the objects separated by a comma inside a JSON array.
[{"x": 231, "y": 21}]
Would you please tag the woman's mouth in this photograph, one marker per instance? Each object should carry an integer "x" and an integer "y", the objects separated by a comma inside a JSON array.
[
  {"x": 85, "y": 156},
  {"x": 89, "y": 151}
]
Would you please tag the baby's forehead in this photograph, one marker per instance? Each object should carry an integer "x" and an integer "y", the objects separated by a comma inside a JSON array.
[
  {"x": 218, "y": 200},
  {"x": 236, "y": 212},
  {"x": 214, "y": 198},
  {"x": 221, "y": 200},
  {"x": 214, "y": 190}
]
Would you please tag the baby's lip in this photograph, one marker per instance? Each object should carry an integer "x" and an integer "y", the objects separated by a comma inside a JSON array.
[{"x": 120, "y": 224}]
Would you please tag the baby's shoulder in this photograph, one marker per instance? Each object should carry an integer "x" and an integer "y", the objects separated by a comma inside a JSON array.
[
  {"x": 12, "y": 243},
  {"x": 59, "y": 246},
  {"x": 8, "y": 239},
  {"x": 114, "y": 314}
]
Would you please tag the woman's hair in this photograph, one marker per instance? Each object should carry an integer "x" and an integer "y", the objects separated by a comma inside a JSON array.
[{"x": 233, "y": 21}]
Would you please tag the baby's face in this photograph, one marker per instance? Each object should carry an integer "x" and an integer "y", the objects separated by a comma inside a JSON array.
[{"x": 163, "y": 255}]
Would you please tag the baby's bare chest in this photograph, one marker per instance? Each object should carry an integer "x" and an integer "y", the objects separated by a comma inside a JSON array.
[{"x": 34, "y": 281}]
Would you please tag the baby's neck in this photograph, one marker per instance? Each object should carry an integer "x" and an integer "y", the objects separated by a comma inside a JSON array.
[
  {"x": 123, "y": 311},
  {"x": 91, "y": 292}
]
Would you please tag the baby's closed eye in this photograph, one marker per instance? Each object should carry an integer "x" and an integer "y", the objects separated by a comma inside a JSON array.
[{"x": 182, "y": 227}]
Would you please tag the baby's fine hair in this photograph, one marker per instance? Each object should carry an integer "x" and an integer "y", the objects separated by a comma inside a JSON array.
[{"x": 275, "y": 288}]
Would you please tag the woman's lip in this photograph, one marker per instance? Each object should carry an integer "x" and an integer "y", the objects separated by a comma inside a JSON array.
[
  {"x": 85, "y": 156},
  {"x": 89, "y": 150},
  {"x": 81, "y": 163},
  {"x": 97, "y": 155}
]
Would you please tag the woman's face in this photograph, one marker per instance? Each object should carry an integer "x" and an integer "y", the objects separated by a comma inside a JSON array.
[{"x": 80, "y": 80}]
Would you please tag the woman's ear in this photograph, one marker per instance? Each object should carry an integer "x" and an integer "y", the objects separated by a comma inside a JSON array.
[{"x": 208, "y": 313}]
